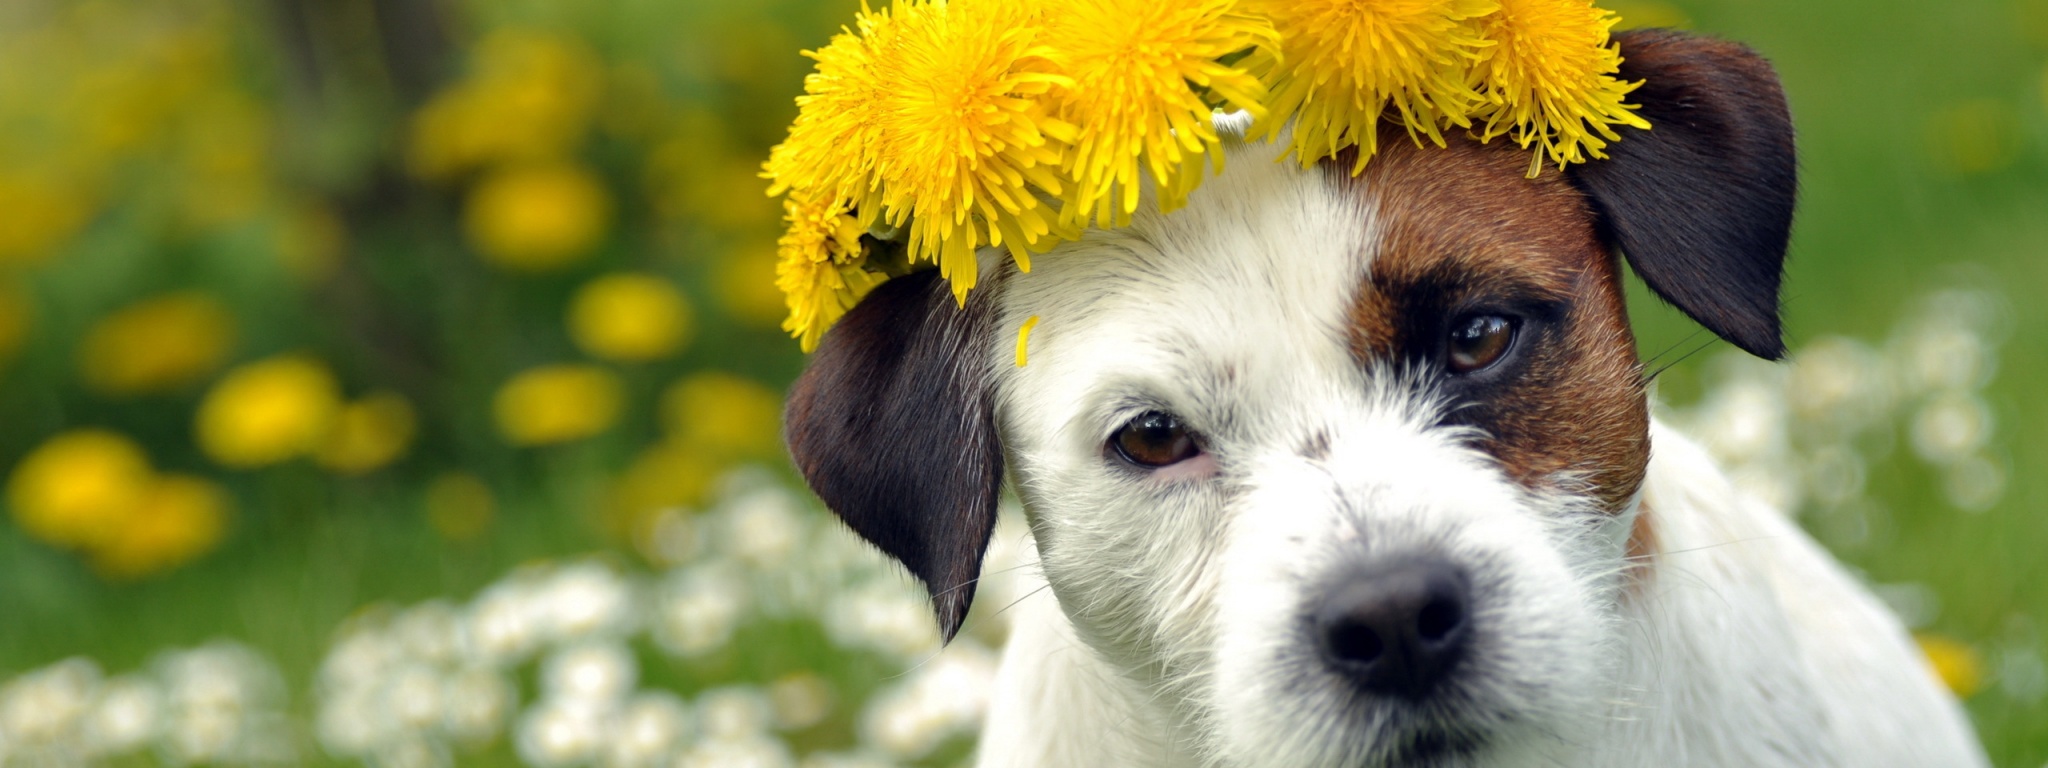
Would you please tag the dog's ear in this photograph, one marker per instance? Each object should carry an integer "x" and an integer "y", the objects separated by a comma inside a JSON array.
[
  {"x": 893, "y": 426},
  {"x": 1701, "y": 204}
]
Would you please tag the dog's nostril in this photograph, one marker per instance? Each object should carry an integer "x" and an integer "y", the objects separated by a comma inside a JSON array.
[
  {"x": 1356, "y": 643},
  {"x": 1438, "y": 620},
  {"x": 1397, "y": 629}
]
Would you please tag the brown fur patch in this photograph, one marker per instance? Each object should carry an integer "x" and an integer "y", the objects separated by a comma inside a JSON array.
[{"x": 1462, "y": 229}]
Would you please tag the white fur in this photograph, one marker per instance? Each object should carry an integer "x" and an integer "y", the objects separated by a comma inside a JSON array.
[{"x": 1171, "y": 637}]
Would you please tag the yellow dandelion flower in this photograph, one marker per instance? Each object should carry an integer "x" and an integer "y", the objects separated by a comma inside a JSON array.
[
  {"x": 78, "y": 488},
  {"x": 964, "y": 133},
  {"x": 831, "y": 146},
  {"x": 822, "y": 266},
  {"x": 157, "y": 345},
  {"x": 1342, "y": 64},
  {"x": 723, "y": 415},
  {"x": 528, "y": 96},
  {"x": 180, "y": 519},
  {"x": 629, "y": 317},
  {"x": 267, "y": 412},
  {"x": 536, "y": 218},
  {"x": 1957, "y": 664},
  {"x": 460, "y": 506},
  {"x": 1549, "y": 80},
  {"x": 43, "y": 213},
  {"x": 558, "y": 404},
  {"x": 1144, "y": 75},
  {"x": 367, "y": 434},
  {"x": 666, "y": 475}
]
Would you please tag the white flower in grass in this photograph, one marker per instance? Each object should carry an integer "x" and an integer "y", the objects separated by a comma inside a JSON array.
[
  {"x": 598, "y": 673},
  {"x": 754, "y": 752},
  {"x": 505, "y": 621},
  {"x": 1744, "y": 419},
  {"x": 414, "y": 696},
  {"x": 800, "y": 700},
  {"x": 886, "y": 615},
  {"x": 221, "y": 704},
  {"x": 44, "y": 708},
  {"x": 846, "y": 760},
  {"x": 734, "y": 713},
  {"x": 946, "y": 697},
  {"x": 561, "y": 732},
  {"x": 126, "y": 716},
  {"x": 647, "y": 732},
  {"x": 1974, "y": 483},
  {"x": 1839, "y": 383},
  {"x": 203, "y": 735},
  {"x": 412, "y": 752},
  {"x": 433, "y": 631},
  {"x": 353, "y": 720},
  {"x": 1951, "y": 427},
  {"x": 586, "y": 599},
  {"x": 364, "y": 652},
  {"x": 763, "y": 527},
  {"x": 478, "y": 702},
  {"x": 699, "y": 609}
]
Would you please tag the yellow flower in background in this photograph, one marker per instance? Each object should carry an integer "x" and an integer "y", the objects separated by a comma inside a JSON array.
[
  {"x": 42, "y": 213},
  {"x": 665, "y": 475},
  {"x": 368, "y": 434},
  {"x": 157, "y": 344},
  {"x": 535, "y": 218},
  {"x": 529, "y": 96},
  {"x": 17, "y": 316},
  {"x": 725, "y": 416},
  {"x": 821, "y": 266},
  {"x": 1341, "y": 65},
  {"x": 179, "y": 519},
  {"x": 1136, "y": 66},
  {"x": 558, "y": 404},
  {"x": 460, "y": 506},
  {"x": 78, "y": 488},
  {"x": 1549, "y": 80},
  {"x": 1955, "y": 662},
  {"x": 629, "y": 317},
  {"x": 267, "y": 412}
]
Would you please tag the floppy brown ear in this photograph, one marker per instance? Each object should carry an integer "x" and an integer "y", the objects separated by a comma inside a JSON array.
[
  {"x": 893, "y": 426},
  {"x": 1701, "y": 204}
]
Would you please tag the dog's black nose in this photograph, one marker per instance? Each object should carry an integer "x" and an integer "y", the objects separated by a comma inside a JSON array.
[{"x": 1397, "y": 629}]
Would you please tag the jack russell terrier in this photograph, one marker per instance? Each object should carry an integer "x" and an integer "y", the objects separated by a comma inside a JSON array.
[{"x": 1328, "y": 470}]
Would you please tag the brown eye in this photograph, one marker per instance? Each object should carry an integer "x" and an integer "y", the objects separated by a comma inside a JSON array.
[
  {"x": 1478, "y": 341},
  {"x": 1155, "y": 439}
]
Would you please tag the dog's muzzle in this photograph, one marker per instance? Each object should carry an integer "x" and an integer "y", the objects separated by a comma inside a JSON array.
[{"x": 1397, "y": 628}]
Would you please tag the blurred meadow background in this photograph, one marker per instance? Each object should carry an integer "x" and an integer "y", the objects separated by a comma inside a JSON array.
[{"x": 396, "y": 383}]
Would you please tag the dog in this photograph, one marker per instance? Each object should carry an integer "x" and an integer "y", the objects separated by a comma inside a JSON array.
[{"x": 1336, "y": 470}]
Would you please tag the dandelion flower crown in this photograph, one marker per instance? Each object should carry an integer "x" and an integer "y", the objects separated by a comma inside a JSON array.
[{"x": 956, "y": 124}]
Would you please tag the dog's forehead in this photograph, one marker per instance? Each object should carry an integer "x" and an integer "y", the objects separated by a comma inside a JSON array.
[{"x": 1272, "y": 267}]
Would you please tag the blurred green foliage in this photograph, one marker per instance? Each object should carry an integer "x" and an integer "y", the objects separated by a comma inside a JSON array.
[{"x": 307, "y": 304}]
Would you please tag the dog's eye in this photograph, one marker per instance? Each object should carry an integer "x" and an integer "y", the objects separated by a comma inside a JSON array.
[
  {"x": 1478, "y": 341},
  {"x": 1155, "y": 439}
]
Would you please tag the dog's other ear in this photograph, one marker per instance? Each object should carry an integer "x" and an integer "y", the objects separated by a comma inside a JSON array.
[
  {"x": 1701, "y": 204},
  {"x": 893, "y": 426}
]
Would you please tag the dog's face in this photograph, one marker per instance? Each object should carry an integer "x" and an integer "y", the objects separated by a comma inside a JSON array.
[{"x": 1344, "y": 466}]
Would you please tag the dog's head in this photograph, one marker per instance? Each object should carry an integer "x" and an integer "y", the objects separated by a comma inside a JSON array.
[{"x": 1347, "y": 465}]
